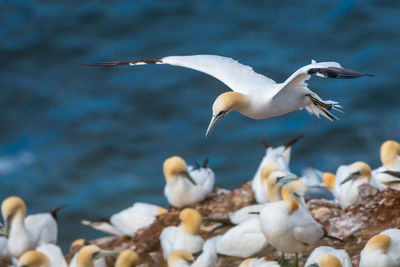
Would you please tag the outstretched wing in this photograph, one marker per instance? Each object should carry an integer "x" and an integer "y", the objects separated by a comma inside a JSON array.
[
  {"x": 240, "y": 78},
  {"x": 322, "y": 69}
]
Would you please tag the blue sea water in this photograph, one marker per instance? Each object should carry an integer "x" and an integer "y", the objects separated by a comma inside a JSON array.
[{"x": 95, "y": 138}]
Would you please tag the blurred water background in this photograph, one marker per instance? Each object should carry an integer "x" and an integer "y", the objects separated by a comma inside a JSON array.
[{"x": 95, "y": 138}]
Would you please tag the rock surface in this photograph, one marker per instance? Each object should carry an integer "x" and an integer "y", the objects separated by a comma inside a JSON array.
[{"x": 374, "y": 212}]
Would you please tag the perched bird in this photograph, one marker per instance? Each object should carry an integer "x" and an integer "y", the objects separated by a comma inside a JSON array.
[
  {"x": 296, "y": 190},
  {"x": 289, "y": 227},
  {"x": 180, "y": 258},
  {"x": 183, "y": 258},
  {"x": 388, "y": 175},
  {"x": 277, "y": 159},
  {"x": 382, "y": 250},
  {"x": 348, "y": 179},
  {"x": 258, "y": 262},
  {"x": 34, "y": 258},
  {"x": 91, "y": 256},
  {"x": 185, "y": 187},
  {"x": 26, "y": 233},
  {"x": 244, "y": 240},
  {"x": 54, "y": 255},
  {"x": 185, "y": 236},
  {"x": 254, "y": 95},
  {"x": 127, "y": 258},
  {"x": 128, "y": 221},
  {"x": 328, "y": 257}
]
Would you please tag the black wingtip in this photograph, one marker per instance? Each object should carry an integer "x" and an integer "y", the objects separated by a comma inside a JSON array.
[
  {"x": 293, "y": 141},
  {"x": 54, "y": 212},
  {"x": 265, "y": 143},
  {"x": 205, "y": 163}
]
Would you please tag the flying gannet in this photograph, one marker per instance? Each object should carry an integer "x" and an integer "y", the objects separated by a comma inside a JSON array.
[{"x": 255, "y": 95}]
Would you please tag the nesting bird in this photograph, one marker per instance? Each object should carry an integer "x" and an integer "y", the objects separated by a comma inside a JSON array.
[
  {"x": 328, "y": 257},
  {"x": 90, "y": 256},
  {"x": 382, "y": 250},
  {"x": 26, "y": 233},
  {"x": 183, "y": 258},
  {"x": 34, "y": 258},
  {"x": 254, "y": 95},
  {"x": 127, "y": 258},
  {"x": 289, "y": 227},
  {"x": 275, "y": 159},
  {"x": 53, "y": 254},
  {"x": 185, "y": 236},
  {"x": 128, "y": 221},
  {"x": 186, "y": 186},
  {"x": 348, "y": 179},
  {"x": 388, "y": 175}
]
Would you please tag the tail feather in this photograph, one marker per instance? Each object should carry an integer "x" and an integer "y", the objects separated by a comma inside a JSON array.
[
  {"x": 54, "y": 212},
  {"x": 319, "y": 107}
]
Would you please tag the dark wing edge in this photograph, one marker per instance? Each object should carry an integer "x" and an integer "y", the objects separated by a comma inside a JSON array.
[
  {"x": 124, "y": 63},
  {"x": 338, "y": 73}
]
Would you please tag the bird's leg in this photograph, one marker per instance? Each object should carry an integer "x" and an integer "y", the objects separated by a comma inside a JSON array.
[
  {"x": 319, "y": 103},
  {"x": 281, "y": 259}
]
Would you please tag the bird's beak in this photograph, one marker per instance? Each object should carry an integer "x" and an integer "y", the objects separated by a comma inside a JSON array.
[
  {"x": 214, "y": 120},
  {"x": 104, "y": 253},
  {"x": 286, "y": 179},
  {"x": 352, "y": 176},
  {"x": 186, "y": 175},
  {"x": 7, "y": 229}
]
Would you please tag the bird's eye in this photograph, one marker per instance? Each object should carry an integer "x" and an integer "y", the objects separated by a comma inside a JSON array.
[{"x": 296, "y": 195}]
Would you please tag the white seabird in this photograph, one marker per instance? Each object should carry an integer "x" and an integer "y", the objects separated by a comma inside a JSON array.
[
  {"x": 185, "y": 236},
  {"x": 388, "y": 175},
  {"x": 26, "y": 233},
  {"x": 186, "y": 185},
  {"x": 382, "y": 250},
  {"x": 254, "y": 95},
  {"x": 128, "y": 221},
  {"x": 325, "y": 256}
]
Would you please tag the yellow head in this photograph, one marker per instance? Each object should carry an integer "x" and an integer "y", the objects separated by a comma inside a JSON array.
[
  {"x": 274, "y": 187},
  {"x": 246, "y": 262},
  {"x": 78, "y": 243},
  {"x": 12, "y": 206},
  {"x": 378, "y": 242},
  {"x": 266, "y": 171},
  {"x": 329, "y": 180},
  {"x": 390, "y": 151},
  {"x": 175, "y": 167},
  {"x": 328, "y": 260},
  {"x": 293, "y": 205},
  {"x": 33, "y": 259},
  {"x": 191, "y": 221},
  {"x": 162, "y": 210},
  {"x": 88, "y": 254},
  {"x": 179, "y": 255},
  {"x": 127, "y": 258},
  {"x": 363, "y": 168},
  {"x": 224, "y": 104}
]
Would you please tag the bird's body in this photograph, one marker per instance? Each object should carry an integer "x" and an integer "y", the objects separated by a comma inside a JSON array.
[
  {"x": 244, "y": 240},
  {"x": 317, "y": 256},
  {"x": 382, "y": 250},
  {"x": 348, "y": 179},
  {"x": 54, "y": 254},
  {"x": 186, "y": 185},
  {"x": 26, "y": 233},
  {"x": 208, "y": 257},
  {"x": 255, "y": 95},
  {"x": 245, "y": 213},
  {"x": 128, "y": 221},
  {"x": 388, "y": 175},
  {"x": 258, "y": 262},
  {"x": 185, "y": 236},
  {"x": 289, "y": 227},
  {"x": 279, "y": 158}
]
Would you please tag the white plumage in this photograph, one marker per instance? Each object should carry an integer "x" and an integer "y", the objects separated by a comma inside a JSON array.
[
  {"x": 340, "y": 254},
  {"x": 244, "y": 240},
  {"x": 54, "y": 254},
  {"x": 208, "y": 257},
  {"x": 258, "y": 262},
  {"x": 255, "y": 95},
  {"x": 280, "y": 158},
  {"x": 128, "y": 221},
  {"x": 288, "y": 227},
  {"x": 382, "y": 250}
]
